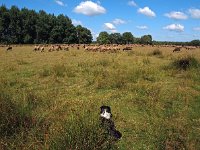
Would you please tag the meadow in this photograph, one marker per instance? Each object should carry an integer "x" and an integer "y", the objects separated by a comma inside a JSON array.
[{"x": 51, "y": 100}]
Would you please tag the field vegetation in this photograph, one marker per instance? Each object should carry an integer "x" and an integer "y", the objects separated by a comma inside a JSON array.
[{"x": 51, "y": 100}]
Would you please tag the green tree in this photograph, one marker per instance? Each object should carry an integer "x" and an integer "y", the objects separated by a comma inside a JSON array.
[
  {"x": 27, "y": 26},
  {"x": 15, "y": 25},
  {"x": 128, "y": 38},
  {"x": 116, "y": 38},
  {"x": 43, "y": 28},
  {"x": 4, "y": 23},
  {"x": 195, "y": 43},
  {"x": 84, "y": 35},
  {"x": 29, "y": 19},
  {"x": 146, "y": 39},
  {"x": 103, "y": 38}
]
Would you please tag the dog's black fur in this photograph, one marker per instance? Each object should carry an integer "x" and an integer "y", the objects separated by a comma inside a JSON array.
[{"x": 108, "y": 124}]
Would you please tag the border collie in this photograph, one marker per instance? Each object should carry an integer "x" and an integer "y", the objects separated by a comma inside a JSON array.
[{"x": 108, "y": 123}]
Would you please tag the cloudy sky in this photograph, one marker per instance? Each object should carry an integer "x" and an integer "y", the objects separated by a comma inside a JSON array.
[{"x": 165, "y": 20}]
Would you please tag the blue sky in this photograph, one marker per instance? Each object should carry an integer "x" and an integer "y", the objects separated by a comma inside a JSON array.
[{"x": 165, "y": 20}]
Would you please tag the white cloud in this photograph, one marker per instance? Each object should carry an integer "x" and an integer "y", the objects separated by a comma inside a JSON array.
[
  {"x": 195, "y": 13},
  {"x": 175, "y": 27},
  {"x": 196, "y": 29},
  {"x": 110, "y": 27},
  {"x": 89, "y": 8},
  {"x": 132, "y": 3},
  {"x": 60, "y": 3},
  {"x": 76, "y": 22},
  {"x": 146, "y": 11},
  {"x": 142, "y": 27},
  {"x": 176, "y": 15},
  {"x": 118, "y": 21}
]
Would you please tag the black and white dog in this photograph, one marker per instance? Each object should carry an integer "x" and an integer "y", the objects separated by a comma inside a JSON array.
[{"x": 107, "y": 122}]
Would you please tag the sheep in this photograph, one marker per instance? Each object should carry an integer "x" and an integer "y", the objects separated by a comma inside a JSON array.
[
  {"x": 127, "y": 48},
  {"x": 177, "y": 49},
  {"x": 42, "y": 49},
  {"x": 36, "y": 48},
  {"x": 9, "y": 48}
]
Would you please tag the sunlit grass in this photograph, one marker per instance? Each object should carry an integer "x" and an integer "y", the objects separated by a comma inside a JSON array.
[{"x": 51, "y": 100}]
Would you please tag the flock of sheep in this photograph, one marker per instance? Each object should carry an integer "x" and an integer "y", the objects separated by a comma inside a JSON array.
[
  {"x": 112, "y": 48},
  {"x": 94, "y": 48}
]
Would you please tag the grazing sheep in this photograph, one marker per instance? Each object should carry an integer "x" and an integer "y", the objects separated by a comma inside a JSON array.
[
  {"x": 66, "y": 48},
  {"x": 36, "y": 48},
  {"x": 58, "y": 47},
  {"x": 107, "y": 123},
  {"x": 42, "y": 49},
  {"x": 127, "y": 48},
  {"x": 177, "y": 49},
  {"x": 9, "y": 48}
]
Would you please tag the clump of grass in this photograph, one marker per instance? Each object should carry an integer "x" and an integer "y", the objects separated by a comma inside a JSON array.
[
  {"x": 59, "y": 70},
  {"x": 103, "y": 62},
  {"x": 13, "y": 116},
  {"x": 185, "y": 63},
  {"x": 146, "y": 61},
  {"x": 70, "y": 71},
  {"x": 45, "y": 72},
  {"x": 130, "y": 53},
  {"x": 156, "y": 52},
  {"x": 81, "y": 132},
  {"x": 22, "y": 62},
  {"x": 146, "y": 73}
]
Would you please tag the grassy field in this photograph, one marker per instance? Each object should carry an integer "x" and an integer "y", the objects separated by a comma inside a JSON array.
[{"x": 52, "y": 100}]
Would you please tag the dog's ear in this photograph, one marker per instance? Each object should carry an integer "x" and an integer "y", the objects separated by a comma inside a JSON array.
[
  {"x": 109, "y": 109},
  {"x": 102, "y": 109}
]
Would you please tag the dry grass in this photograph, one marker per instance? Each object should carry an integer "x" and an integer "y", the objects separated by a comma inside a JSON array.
[{"x": 50, "y": 99}]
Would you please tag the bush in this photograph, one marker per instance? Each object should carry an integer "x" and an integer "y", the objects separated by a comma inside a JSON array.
[
  {"x": 156, "y": 52},
  {"x": 184, "y": 63}
]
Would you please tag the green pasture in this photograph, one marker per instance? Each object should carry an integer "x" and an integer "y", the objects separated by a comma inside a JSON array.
[{"x": 51, "y": 100}]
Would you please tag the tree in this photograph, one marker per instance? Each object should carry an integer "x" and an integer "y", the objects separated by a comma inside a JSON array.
[
  {"x": 103, "y": 38},
  {"x": 84, "y": 35},
  {"x": 56, "y": 35},
  {"x": 14, "y": 28},
  {"x": 29, "y": 19},
  {"x": 69, "y": 35},
  {"x": 27, "y": 26},
  {"x": 195, "y": 43},
  {"x": 116, "y": 38},
  {"x": 4, "y": 23},
  {"x": 128, "y": 38},
  {"x": 146, "y": 39},
  {"x": 42, "y": 28}
]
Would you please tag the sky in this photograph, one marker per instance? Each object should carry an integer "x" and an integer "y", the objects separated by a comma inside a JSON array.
[{"x": 165, "y": 20}]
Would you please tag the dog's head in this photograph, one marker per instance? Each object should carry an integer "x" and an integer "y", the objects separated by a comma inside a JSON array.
[{"x": 105, "y": 112}]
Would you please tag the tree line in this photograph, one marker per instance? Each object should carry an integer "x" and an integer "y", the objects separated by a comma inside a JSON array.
[
  {"x": 124, "y": 38},
  {"x": 28, "y": 26},
  {"x": 24, "y": 26}
]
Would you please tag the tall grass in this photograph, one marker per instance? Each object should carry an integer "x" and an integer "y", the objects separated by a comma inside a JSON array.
[
  {"x": 154, "y": 108},
  {"x": 81, "y": 132}
]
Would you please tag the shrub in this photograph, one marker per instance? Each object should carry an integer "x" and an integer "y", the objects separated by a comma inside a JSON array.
[
  {"x": 156, "y": 52},
  {"x": 184, "y": 63}
]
